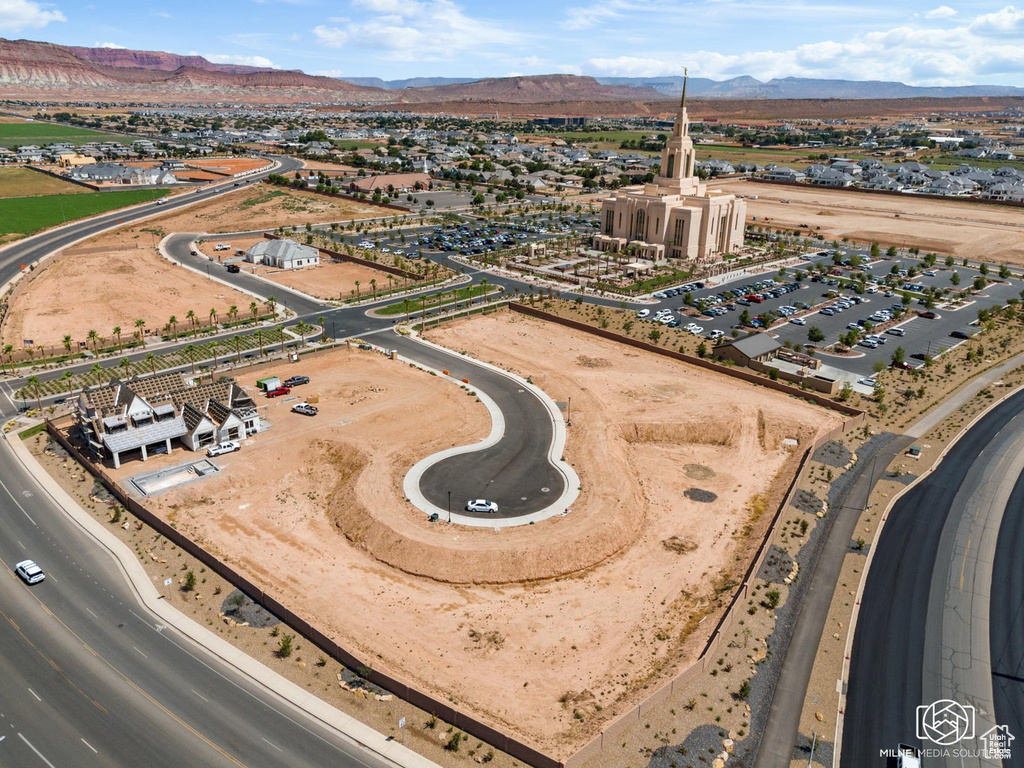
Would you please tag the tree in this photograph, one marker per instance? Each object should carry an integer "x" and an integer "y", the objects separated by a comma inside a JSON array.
[
  {"x": 983, "y": 268},
  {"x": 9, "y": 351},
  {"x": 190, "y": 350},
  {"x": 891, "y": 251},
  {"x": 67, "y": 376},
  {"x": 151, "y": 359},
  {"x": 322, "y": 321},
  {"x": 373, "y": 285},
  {"x": 954, "y": 278},
  {"x": 92, "y": 337},
  {"x": 406, "y": 302},
  {"x": 238, "y": 347},
  {"x": 1004, "y": 272},
  {"x": 232, "y": 313},
  {"x": 33, "y": 381},
  {"x": 357, "y": 290},
  {"x": 213, "y": 315},
  {"x": 845, "y": 392},
  {"x": 702, "y": 350},
  {"x": 980, "y": 282},
  {"x": 66, "y": 341},
  {"x": 212, "y": 346},
  {"x": 173, "y": 322},
  {"x": 140, "y": 331},
  {"x": 899, "y": 356},
  {"x": 254, "y": 308},
  {"x": 654, "y": 335},
  {"x": 260, "y": 336},
  {"x": 745, "y": 317},
  {"x": 191, "y": 317},
  {"x": 272, "y": 305},
  {"x": 127, "y": 365}
]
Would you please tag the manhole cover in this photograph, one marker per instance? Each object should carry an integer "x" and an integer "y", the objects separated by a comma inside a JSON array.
[
  {"x": 522, "y": 498},
  {"x": 545, "y": 490}
]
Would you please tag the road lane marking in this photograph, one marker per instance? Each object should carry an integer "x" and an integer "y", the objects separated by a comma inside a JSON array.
[
  {"x": 93, "y": 614},
  {"x": 17, "y": 503},
  {"x": 90, "y": 746},
  {"x": 140, "y": 652},
  {"x": 38, "y": 753},
  {"x": 963, "y": 565},
  {"x": 34, "y": 694},
  {"x": 197, "y": 693},
  {"x": 273, "y": 745}
]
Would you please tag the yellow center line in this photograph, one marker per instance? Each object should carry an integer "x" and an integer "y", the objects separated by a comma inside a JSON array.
[{"x": 964, "y": 564}]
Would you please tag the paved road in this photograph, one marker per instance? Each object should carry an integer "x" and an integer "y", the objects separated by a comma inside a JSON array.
[
  {"x": 895, "y": 658},
  {"x": 1006, "y": 622},
  {"x": 780, "y": 733},
  {"x": 91, "y": 679},
  {"x": 515, "y": 472}
]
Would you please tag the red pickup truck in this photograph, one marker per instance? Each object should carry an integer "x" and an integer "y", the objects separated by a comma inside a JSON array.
[{"x": 278, "y": 391}]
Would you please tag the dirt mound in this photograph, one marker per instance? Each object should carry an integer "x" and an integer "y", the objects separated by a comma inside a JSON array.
[
  {"x": 699, "y": 472},
  {"x": 592, "y": 362},
  {"x": 718, "y": 433},
  {"x": 698, "y": 494},
  {"x": 679, "y": 544}
]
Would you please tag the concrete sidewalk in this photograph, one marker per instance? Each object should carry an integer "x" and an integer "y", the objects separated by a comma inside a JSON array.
[{"x": 350, "y": 728}]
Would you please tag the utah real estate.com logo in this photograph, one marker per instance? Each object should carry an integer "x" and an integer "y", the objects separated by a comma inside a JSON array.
[{"x": 948, "y": 723}]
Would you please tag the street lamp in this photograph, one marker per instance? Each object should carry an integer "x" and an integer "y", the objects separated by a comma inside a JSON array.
[
  {"x": 568, "y": 413},
  {"x": 449, "y": 506}
]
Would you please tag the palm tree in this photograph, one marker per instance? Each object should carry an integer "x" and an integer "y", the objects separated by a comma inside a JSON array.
[
  {"x": 67, "y": 376},
  {"x": 483, "y": 285},
  {"x": 173, "y": 322},
  {"x": 93, "y": 337},
  {"x": 302, "y": 328},
  {"x": 190, "y": 350},
  {"x": 373, "y": 284},
  {"x": 272, "y": 304},
  {"x": 34, "y": 383},
  {"x": 126, "y": 364},
  {"x": 140, "y": 325},
  {"x": 66, "y": 341},
  {"x": 212, "y": 346},
  {"x": 259, "y": 336},
  {"x": 213, "y": 316},
  {"x": 238, "y": 348},
  {"x": 191, "y": 317},
  {"x": 151, "y": 359},
  {"x": 232, "y": 313},
  {"x": 255, "y": 309},
  {"x": 9, "y": 351},
  {"x": 323, "y": 328},
  {"x": 282, "y": 340},
  {"x": 96, "y": 372},
  {"x": 357, "y": 290},
  {"x": 407, "y": 310}
]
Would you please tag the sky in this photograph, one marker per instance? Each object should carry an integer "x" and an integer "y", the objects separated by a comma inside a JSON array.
[{"x": 912, "y": 41}]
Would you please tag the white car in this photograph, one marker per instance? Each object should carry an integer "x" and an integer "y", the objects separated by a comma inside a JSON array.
[
  {"x": 29, "y": 572},
  {"x": 716, "y": 334},
  {"x": 481, "y": 505},
  {"x": 643, "y": 313},
  {"x": 221, "y": 448},
  {"x": 867, "y": 382},
  {"x": 797, "y": 321},
  {"x": 697, "y": 330}
]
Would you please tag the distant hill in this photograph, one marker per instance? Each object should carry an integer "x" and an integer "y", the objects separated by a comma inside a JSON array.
[
  {"x": 166, "y": 62},
  {"x": 746, "y": 87},
  {"x": 535, "y": 89},
  {"x": 411, "y": 82}
]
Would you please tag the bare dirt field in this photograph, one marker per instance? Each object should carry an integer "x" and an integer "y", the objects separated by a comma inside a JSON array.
[
  {"x": 102, "y": 288},
  {"x": 25, "y": 182},
  {"x": 228, "y": 165},
  {"x": 529, "y": 626},
  {"x": 993, "y": 233}
]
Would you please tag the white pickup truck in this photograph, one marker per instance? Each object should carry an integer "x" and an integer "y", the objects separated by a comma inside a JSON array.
[{"x": 223, "y": 247}]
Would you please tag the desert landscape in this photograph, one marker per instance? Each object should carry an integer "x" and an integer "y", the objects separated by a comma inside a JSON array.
[
  {"x": 587, "y": 609},
  {"x": 944, "y": 226}
]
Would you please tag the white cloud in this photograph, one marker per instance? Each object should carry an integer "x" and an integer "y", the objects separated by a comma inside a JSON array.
[
  {"x": 247, "y": 61},
  {"x": 16, "y": 15},
  {"x": 942, "y": 12},
  {"x": 1007, "y": 22},
  {"x": 416, "y": 30},
  {"x": 112, "y": 45}
]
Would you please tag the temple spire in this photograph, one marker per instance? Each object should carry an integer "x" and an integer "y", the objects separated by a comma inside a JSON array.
[{"x": 682, "y": 102}]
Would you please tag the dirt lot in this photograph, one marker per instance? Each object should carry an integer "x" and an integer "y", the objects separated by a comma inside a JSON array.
[
  {"x": 990, "y": 233},
  {"x": 102, "y": 288},
  {"x": 628, "y": 572},
  {"x": 228, "y": 165}
]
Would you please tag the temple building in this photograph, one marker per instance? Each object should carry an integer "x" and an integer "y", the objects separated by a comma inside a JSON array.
[{"x": 675, "y": 216}]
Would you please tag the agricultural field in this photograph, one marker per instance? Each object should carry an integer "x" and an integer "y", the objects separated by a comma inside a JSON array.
[
  {"x": 18, "y": 134},
  {"x": 25, "y": 182},
  {"x": 23, "y": 216}
]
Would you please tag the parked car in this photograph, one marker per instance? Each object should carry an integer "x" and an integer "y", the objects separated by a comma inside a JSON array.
[
  {"x": 230, "y": 446},
  {"x": 896, "y": 332},
  {"x": 295, "y": 381},
  {"x": 234, "y": 268},
  {"x": 29, "y": 572},
  {"x": 867, "y": 382},
  {"x": 305, "y": 409},
  {"x": 277, "y": 391},
  {"x": 643, "y": 313},
  {"x": 958, "y": 334},
  {"x": 481, "y": 505},
  {"x": 797, "y": 321}
]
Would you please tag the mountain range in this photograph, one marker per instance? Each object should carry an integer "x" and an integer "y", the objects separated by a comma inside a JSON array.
[{"x": 31, "y": 70}]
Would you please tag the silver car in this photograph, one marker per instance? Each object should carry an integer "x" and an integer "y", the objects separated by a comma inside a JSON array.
[
  {"x": 29, "y": 572},
  {"x": 481, "y": 505}
]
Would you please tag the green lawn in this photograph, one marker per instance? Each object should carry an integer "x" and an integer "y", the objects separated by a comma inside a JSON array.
[
  {"x": 949, "y": 162},
  {"x": 41, "y": 134},
  {"x": 28, "y": 215}
]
